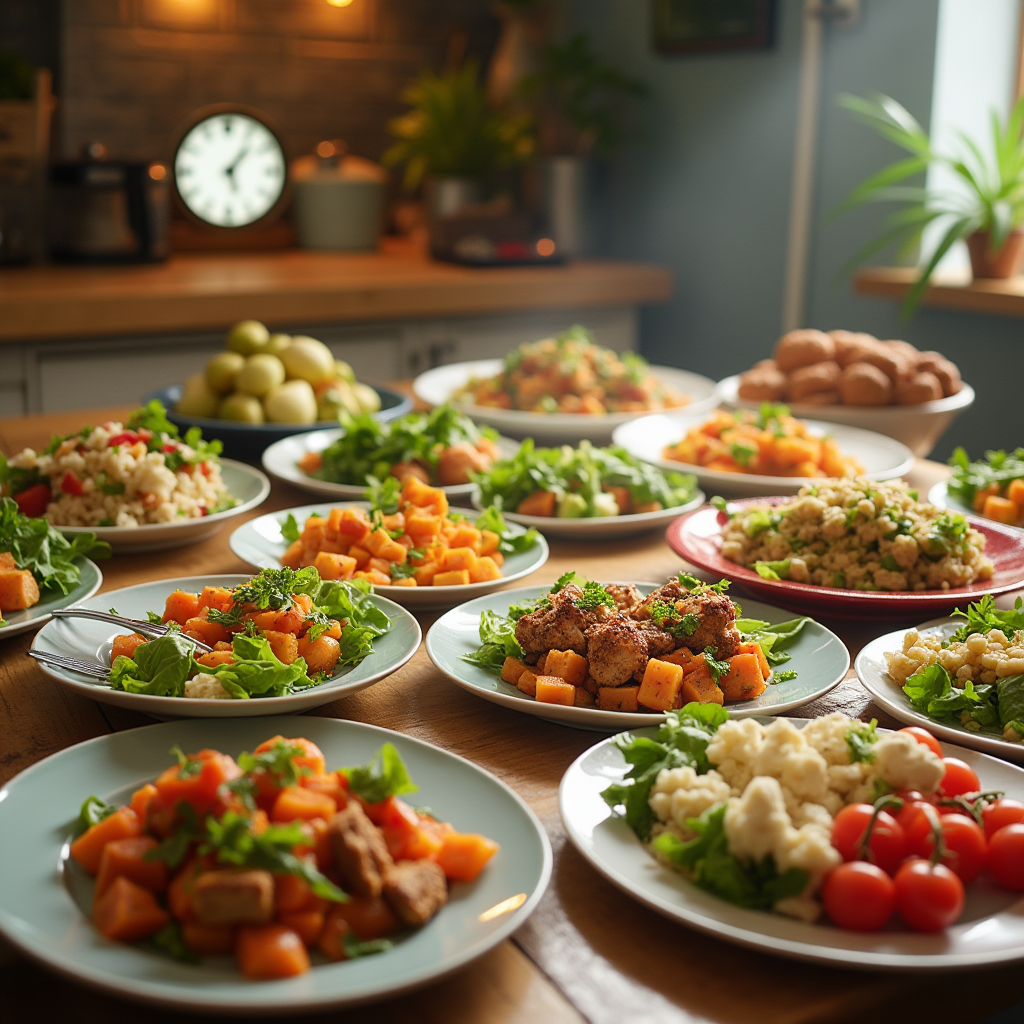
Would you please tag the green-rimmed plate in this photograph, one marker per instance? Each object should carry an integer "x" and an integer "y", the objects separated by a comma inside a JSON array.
[
  {"x": 91, "y": 641},
  {"x": 259, "y": 542},
  {"x": 819, "y": 658},
  {"x": 44, "y": 897},
  {"x": 32, "y": 618}
]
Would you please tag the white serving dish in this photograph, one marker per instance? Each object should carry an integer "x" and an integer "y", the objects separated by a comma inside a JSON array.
[
  {"x": 438, "y": 385},
  {"x": 919, "y": 427}
]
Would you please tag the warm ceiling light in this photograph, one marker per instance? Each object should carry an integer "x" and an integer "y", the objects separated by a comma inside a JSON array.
[
  {"x": 545, "y": 247},
  {"x": 339, "y": 3},
  {"x": 157, "y": 172}
]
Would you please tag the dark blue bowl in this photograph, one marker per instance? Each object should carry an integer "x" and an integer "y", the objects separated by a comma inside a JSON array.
[{"x": 247, "y": 441}]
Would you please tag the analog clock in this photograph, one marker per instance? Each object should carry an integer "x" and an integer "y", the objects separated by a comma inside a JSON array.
[{"x": 230, "y": 169}]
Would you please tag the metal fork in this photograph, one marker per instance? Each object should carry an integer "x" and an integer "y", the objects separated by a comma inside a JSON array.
[
  {"x": 85, "y": 668},
  {"x": 136, "y": 625}
]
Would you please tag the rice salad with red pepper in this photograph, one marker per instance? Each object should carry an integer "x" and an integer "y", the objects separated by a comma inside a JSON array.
[{"x": 120, "y": 474}]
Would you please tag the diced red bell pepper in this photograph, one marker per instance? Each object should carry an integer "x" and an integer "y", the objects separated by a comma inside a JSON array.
[
  {"x": 125, "y": 437},
  {"x": 33, "y": 500},
  {"x": 71, "y": 485}
]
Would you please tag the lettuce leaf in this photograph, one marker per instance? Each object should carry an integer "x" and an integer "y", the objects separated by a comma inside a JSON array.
[
  {"x": 498, "y": 641},
  {"x": 159, "y": 667},
  {"x": 384, "y": 776}
]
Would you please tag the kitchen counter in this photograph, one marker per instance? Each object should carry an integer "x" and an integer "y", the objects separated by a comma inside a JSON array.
[{"x": 193, "y": 292}]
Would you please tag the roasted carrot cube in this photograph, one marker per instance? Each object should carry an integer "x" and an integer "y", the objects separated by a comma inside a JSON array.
[
  {"x": 552, "y": 690},
  {"x": 180, "y": 606},
  {"x": 489, "y": 541},
  {"x": 285, "y": 646},
  {"x": 380, "y": 564},
  {"x": 424, "y": 574},
  {"x": 374, "y": 576},
  {"x": 296, "y": 803},
  {"x": 125, "y": 645},
  {"x": 423, "y": 527},
  {"x": 314, "y": 533},
  {"x": 466, "y": 536},
  {"x": 216, "y": 597},
  {"x": 1015, "y": 492},
  {"x": 567, "y": 665},
  {"x": 618, "y": 698},
  {"x": 512, "y": 669},
  {"x": 454, "y": 578},
  {"x": 660, "y": 686},
  {"x": 209, "y": 632},
  {"x": 127, "y": 912},
  {"x": 485, "y": 571},
  {"x": 215, "y": 658},
  {"x": 463, "y": 855},
  {"x": 126, "y": 858},
  {"x": 380, "y": 545},
  {"x": 351, "y": 523},
  {"x": 527, "y": 682},
  {"x": 539, "y": 503},
  {"x": 762, "y": 661},
  {"x": 459, "y": 558},
  {"x": 334, "y": 567},
  {"x": 743, "y": 681},
  {"x": 292, "y": 558},
  {"x": 321, "y": 654},
  {"x": 269, "y": 951},
  {"x": 700, "y": 687},
  {"x": 1002, "y": 510},
  {"x": 361, "y": 556},
  {"x": 87, "y": 849}
]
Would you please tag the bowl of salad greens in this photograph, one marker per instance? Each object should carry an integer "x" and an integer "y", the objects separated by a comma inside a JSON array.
[
  {"x": 992, "y": 487},
  {"x": 441, "y": 447},
  {"x": 585, "y": 492}
]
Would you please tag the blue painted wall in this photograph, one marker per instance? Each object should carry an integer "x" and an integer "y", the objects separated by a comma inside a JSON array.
[{"x": 704, "y": 187}]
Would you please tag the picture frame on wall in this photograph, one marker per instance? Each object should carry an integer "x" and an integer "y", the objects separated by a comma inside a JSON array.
[{"x": 712, "y": 26}]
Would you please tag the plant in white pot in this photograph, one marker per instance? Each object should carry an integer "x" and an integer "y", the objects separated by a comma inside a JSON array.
[{"x": 986, "y": 211}]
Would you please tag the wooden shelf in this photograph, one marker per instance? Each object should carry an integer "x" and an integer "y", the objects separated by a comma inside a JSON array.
[
  {"x": 998, "y": 298},
  {"x": 211, "y": 292}
]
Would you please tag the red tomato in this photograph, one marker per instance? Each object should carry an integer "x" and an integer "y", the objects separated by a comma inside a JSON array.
[
  {"x": 1006, "y": 857},
  {"x": 33, "y": 500},
  {"x": 959, "y": 778},
  {"x": 924, "y": 737},
  {"x": 888, "y": 845},
  {"x": 965, "y": 846},
  {"x": 1000, "y": 813},
  {"x": 71, "y": 485},
  {"x": 125, "y": 437},
  {"x": 929, "y": 897},
  {"x": 859, "y": 896},
  {"x": 916, "y": 816}
]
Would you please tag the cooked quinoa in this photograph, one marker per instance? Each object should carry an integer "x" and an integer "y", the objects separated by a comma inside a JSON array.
[
  {"x": 981, "y": 658},
  {"x": 858, "y": 535},
  {"x": 113, "y": 475}
]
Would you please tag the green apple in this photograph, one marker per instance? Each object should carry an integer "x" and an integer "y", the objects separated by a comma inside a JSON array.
[
  {"x": 198, "y": 398},
  {"x": 260, "y": 373},
  {"x": 368, "y": 399},
  {"x": 291, "y": 402},
  {"x": 222, "y": 370},
  {"x": 343, "y": 371},
  {"x": 241, "y": 408},
  {"x": 309, "y": 360},
  {"x": 277, "y": 343},
  {"x": 248, "y": 337}
]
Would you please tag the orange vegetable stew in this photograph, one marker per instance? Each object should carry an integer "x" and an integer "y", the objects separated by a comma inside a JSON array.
[{"x": 271, "y": 858}]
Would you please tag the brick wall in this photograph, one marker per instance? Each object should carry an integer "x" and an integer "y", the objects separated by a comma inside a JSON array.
[{"x": 133, "y": 70}]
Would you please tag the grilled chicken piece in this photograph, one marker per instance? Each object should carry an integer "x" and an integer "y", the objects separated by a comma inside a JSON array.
[
  {"x": 625, "y": 595},
  {"x": 717, "y": 628},
  {"x": 668, "y": 593},
  {"x": 360, "y": 852},
  {"x": 416, "y": 890},
  {"x": 234, "y": 897},
  {"x": 559, "y": 627},
  {"x": 616, "y": 649},
  {"x": 658, "y": 641}
]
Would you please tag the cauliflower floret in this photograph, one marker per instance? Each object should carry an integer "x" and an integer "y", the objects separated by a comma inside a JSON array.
[
  {"x": 904, "y": 763},
  {"x": 828, "y": 737},
  {"x": 843, "y": 779},
  {"x": 733, "y": 749},
  {"x": 788, "y": 757},
  {"x": 680, "y": 793},
  {"x": 205, "y": 686}
]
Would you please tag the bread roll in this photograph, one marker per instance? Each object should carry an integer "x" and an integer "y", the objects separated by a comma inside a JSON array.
[
  {"x": 921, "y": 387},
  {"x": 943, "y": 368},
  {"x": 808, "y": 379},
  {"x": 763, "y": 384},
  {"x": 851, "y": 346},
  {"x": 904, "y": 348},
  {"x": 802, "y": 348},
  {"x": 890, "y": 361},
  {"x": 823, "y": 398},
  {"x": 865, "y": 384}
]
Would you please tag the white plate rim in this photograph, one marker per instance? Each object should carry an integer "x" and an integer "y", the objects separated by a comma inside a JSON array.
[
  {"x": 595, "y": 718},
  {"x": 939, "y": 495},
  {"x": 766, "y": 942},
  {"x": 203, "y": 707},
  {"x": 14, "y": 628},
  {"x": 136, "y": 990}
]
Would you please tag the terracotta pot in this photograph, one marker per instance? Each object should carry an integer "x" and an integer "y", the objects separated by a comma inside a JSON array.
[{"x": 1005, "y": 262}]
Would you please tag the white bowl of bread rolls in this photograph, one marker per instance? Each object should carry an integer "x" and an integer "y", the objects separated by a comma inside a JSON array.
[{"x": 853, "y": 378}]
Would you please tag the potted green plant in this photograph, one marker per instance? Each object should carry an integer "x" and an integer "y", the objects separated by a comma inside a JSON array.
[
  {"x": 452, "y": 139},
  {"x": 986, "y": 212}
]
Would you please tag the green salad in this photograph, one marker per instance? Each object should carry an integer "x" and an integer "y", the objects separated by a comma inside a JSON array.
[
  {"x": 369, "y": 448},
  {"x": 581, "y": 483},
  {"x": 991, "y": 475}
]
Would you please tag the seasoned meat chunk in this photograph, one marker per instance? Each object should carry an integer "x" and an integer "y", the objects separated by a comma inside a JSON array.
[
  {"x": 668, "y": 593},
  {"x": 559, "y": 627},
  {"x": 716, "y": 628},
  {"x": 234, "y": 897},
  {"x": 616, "y": 650},
  {"x": 658, "y": 641},
  {"x": 360, "y": 853},
  {"x": 625, "y": 595},
  {"x": 416, "y": 890}
]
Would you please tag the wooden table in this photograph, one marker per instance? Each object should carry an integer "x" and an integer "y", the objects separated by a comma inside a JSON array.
[{"x": 589, "y": 953}]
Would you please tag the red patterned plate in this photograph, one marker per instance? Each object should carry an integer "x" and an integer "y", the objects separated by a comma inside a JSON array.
[{"x": 697, "y": 538}]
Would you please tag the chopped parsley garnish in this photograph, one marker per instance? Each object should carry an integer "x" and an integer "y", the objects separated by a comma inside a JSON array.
[
  {"x": 717, "y": 668},
  {"x": 188, "y": 767},
  {"x": 667, "y": 617},
  {"x": 861, "y": 741},
  {"x": 278, "y": 761},
  {"x": 696, "y": 586},
  {"x": 594, "y": 595}
]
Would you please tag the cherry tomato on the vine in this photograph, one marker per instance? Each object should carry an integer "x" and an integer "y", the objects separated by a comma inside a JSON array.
[
  {"x": 924, "y": 737},
  {"x": 859, "y": 896},
  {"x": 964, "y": 841},
  {"x": 888, "y": 845},
  {"x": 929, "y": 897},
  {"x": 915, "y": 817},
  {"x": 960, "y": 778},
  {"x": 1000, "y": 813},
  {"x": 1006, "y": 857}
]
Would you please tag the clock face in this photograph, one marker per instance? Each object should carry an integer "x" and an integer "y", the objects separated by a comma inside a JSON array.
[{"x": 230, "y": 170}]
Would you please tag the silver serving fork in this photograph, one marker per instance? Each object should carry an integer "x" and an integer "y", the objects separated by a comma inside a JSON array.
[
  {"x": 86, "y": 668},
  {"x": 146, "y": 628}
]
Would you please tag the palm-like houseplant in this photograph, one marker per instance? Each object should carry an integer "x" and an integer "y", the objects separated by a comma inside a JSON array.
[{"x": 986, "y": 212}]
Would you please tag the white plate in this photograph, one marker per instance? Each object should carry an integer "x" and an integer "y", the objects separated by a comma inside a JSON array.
[
  {"x": 818, "y": 655},
  {"x": 939, "y": 495},
  {"x": 281, "y": 461},
  {"x": 44, "y": 897},
  {"x": 882, "y": 457},
  {"x": 601, "y": 527},
  {"x": 246, "y": 483},
  {"x": 259, "y": 542},
  {"x": 990, "y": 931},
  {"x": 91, "y": 641},
  {"x": 32, "y": 618},
  {"x": 871, "y": 671},
  {"x": 438, "y": 385}
]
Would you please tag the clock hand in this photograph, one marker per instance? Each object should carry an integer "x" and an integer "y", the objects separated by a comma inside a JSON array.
[{"x": 230, "y": 169}]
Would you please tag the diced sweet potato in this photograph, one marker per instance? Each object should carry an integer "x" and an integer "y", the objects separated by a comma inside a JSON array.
[
  {"x": 126, "y": 912},
  {"x": 486, "y": 570},
  {"x": 126, "y": 858},
  {"x": 527, "y": 682},
  {"x": 209, "y": 632},
  {"x": 464, "y": 855},
  {"x": 743, "y": 681},
  {"x": 18, "y": 590},
  {"x": 374, "y": 576},
  {"x": 583, "y": 698},
  {"x": 466, "y": 536},
  {"x": 141, "y": 798},
  {"x": 424, "y": 574},
  {"x": 314, "y": 532},
  {"x": 292, "y": 558},
  {"x": 618, "y": 698},
  {"x": 1002, "y": 510},
  {"x": 423, "y": 527},
  {"x": 215, "y": 658},
  {"x": 216, "y": 597},
  {"x": 700, "y": 687},
  {"x": 334, "y": 567},
  {"x": 270, "y": 951},
  {"x": 181, "y": 606},
  {"x": 552, "y": 690},
  {"x": 380, "y": 545},
  {"x": 350, "y": 522},
  {"x": 622, "y": 498},
  {"x": 284, "y": 645},
  {"x": 456, "y": 558},
  {"x": 125, "y": 645},
  {"x": 762, "y": 661},
  {"x": 489, "y": 541},
  {"x": 361, "y": 555},
  {"x": 660, "y": 685},
  {"x": 297, "y": 803},
  {"x": 7, "y": 560},
  {"x": 87, "y": 849},
  {"x": 1015, "y": 492},
  {"x": 455, "y": 578},
  {"x": 567, "y": 665},
  {"x": 368, "y": 917},
  {"x": 208, "y": 939},
  {"x": 539, "y": 503},
  {"x": 511, "y": 670}
]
